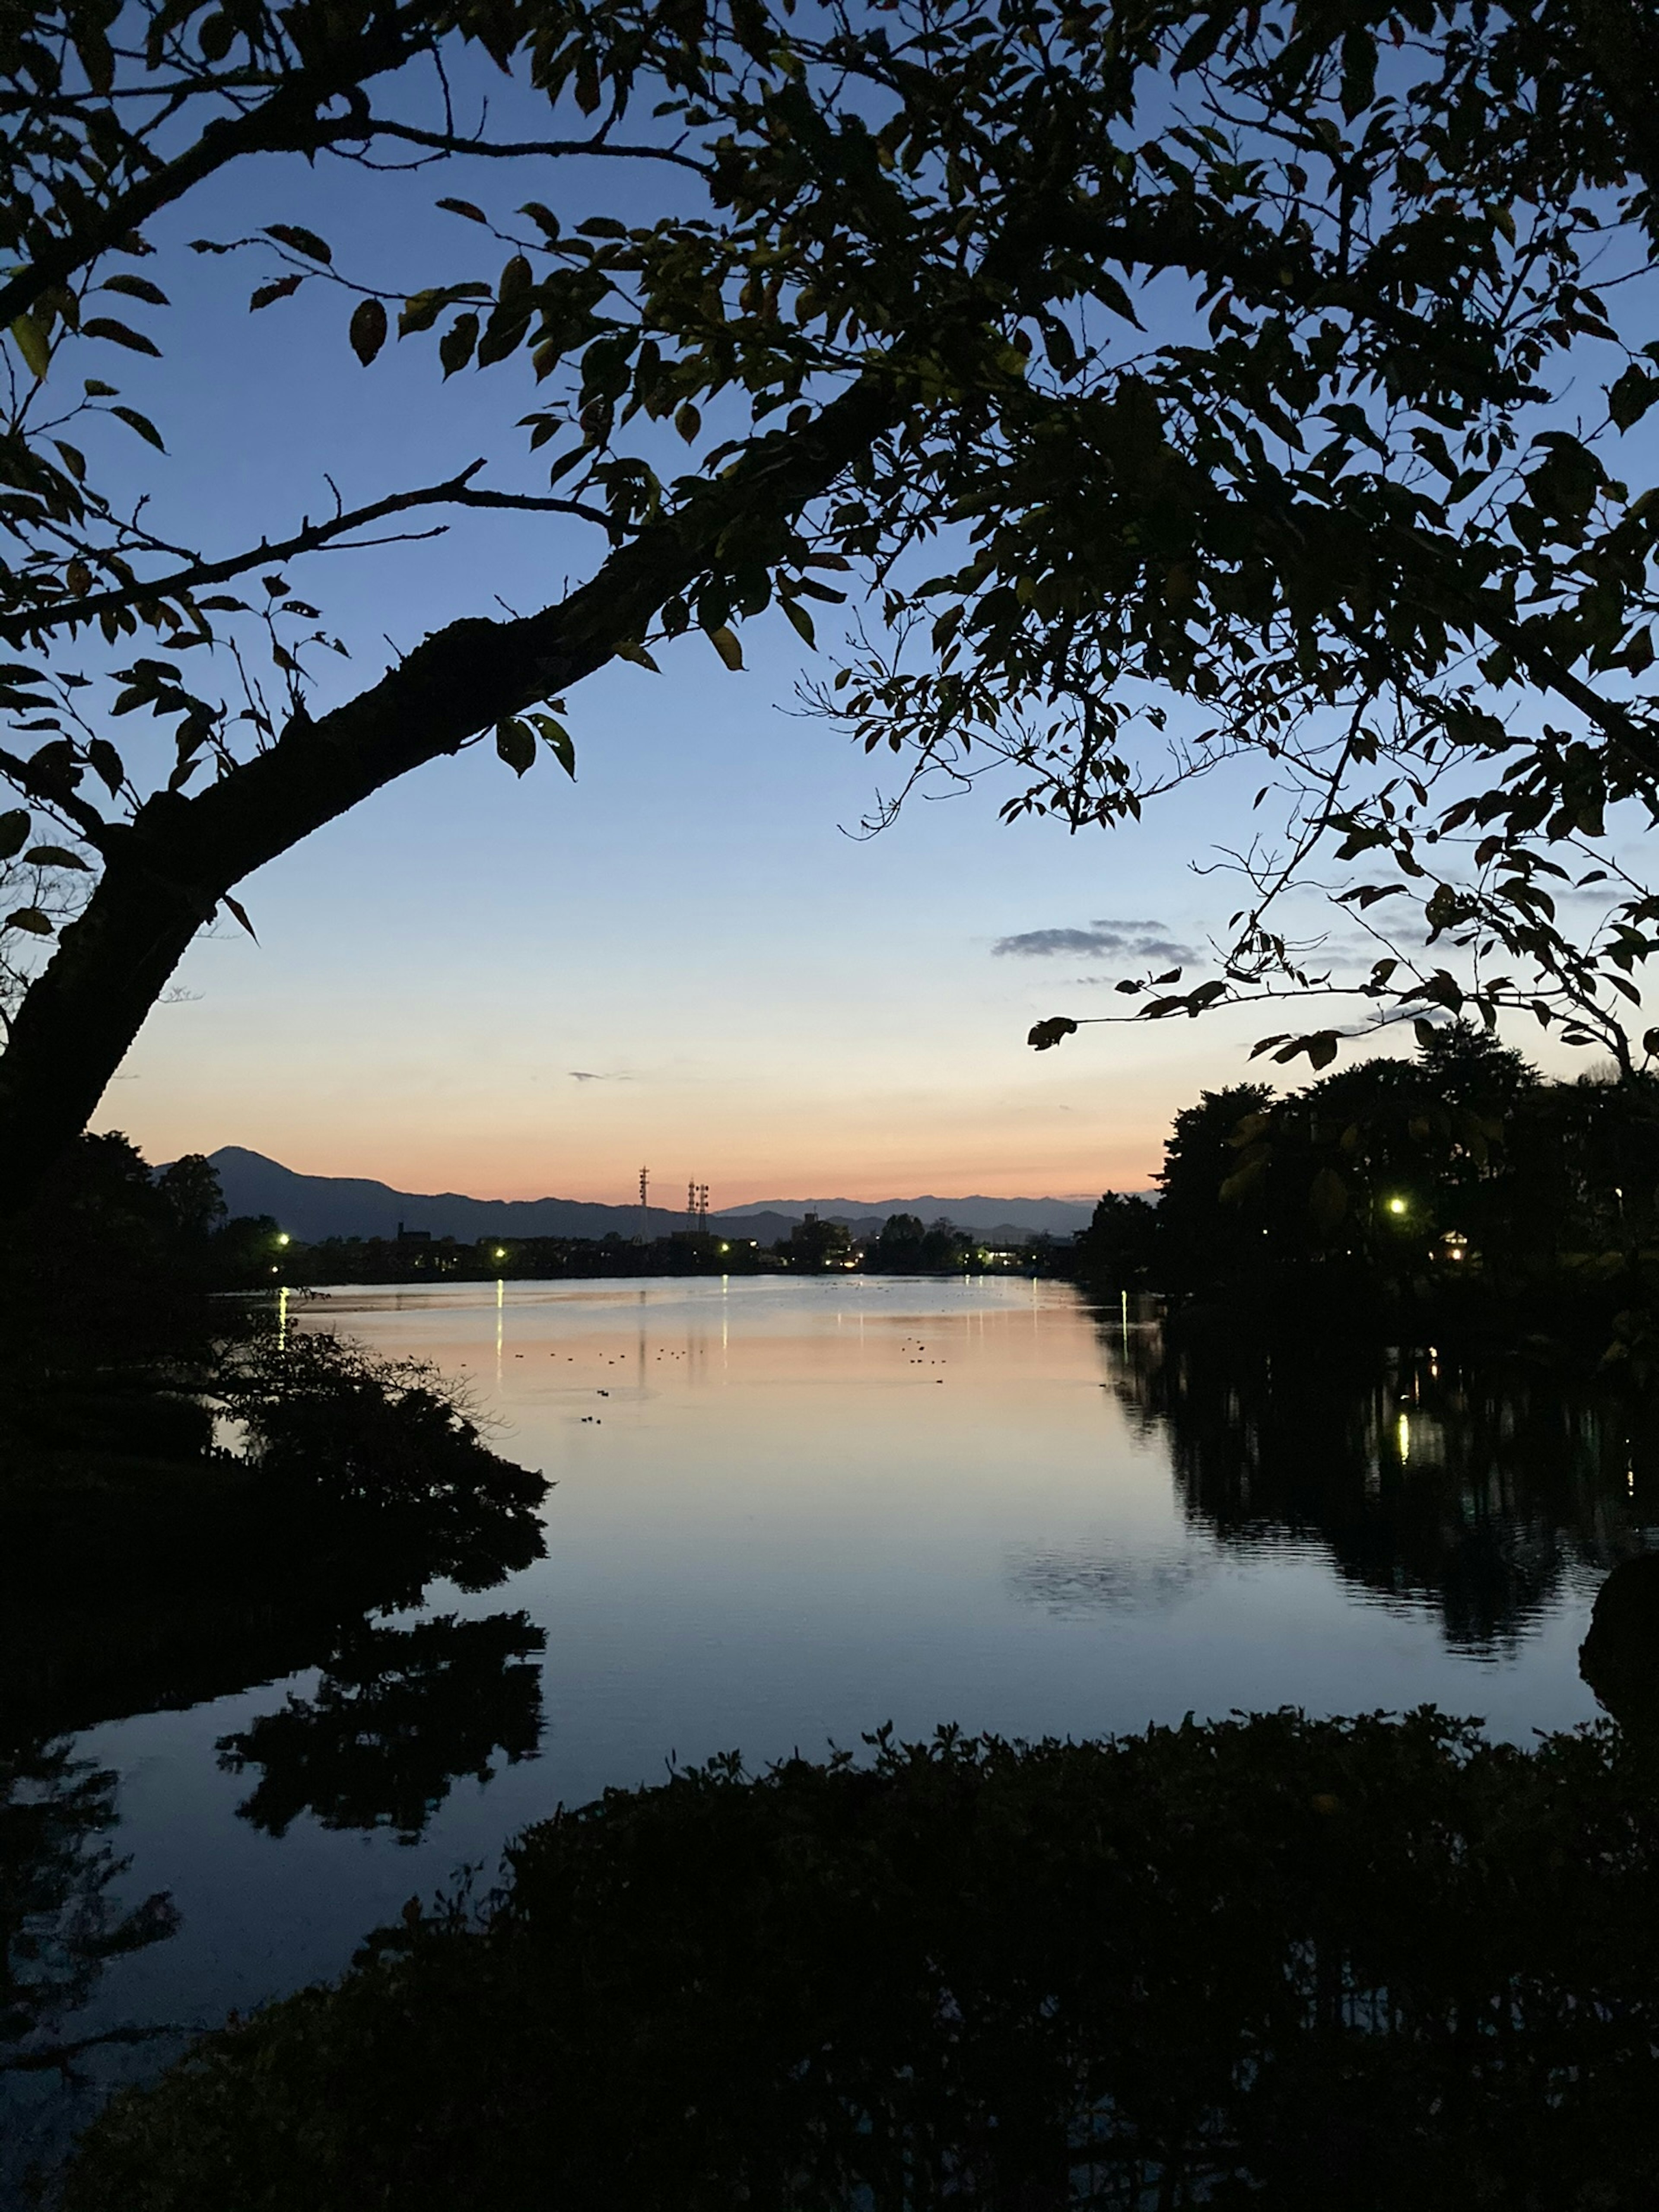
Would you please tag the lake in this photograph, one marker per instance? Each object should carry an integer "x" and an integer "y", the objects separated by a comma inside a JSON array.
[{"x": 787, "y": 1510}]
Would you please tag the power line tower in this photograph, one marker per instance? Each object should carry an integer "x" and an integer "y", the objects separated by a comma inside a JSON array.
[
  {"x": 692, "y": 1205},
  {"x": 645, "y": 1206},
  {"x": 702, "y": 1207}
]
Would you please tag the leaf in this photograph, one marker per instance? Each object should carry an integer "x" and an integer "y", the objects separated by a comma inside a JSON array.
[
  {"x": 687, "y": 421},
  {"x": 639, "y": 656},
  {"x": 215, "y": 37},
  {"x": 283, "y": 289},
  {"x": 1044, "y": 1035},
  {"x": 76, "y": 462},
  {"x": 95, "y": 389},
  {"x": 14, "y": 832},
  {"x": 302, "y": 241},
  {"x": 1359, "y": 73},
  {"x": 368, "y": 331},
  {"x": 559, "y": 743},
  {"x": 78, "y": 578},
  {"x": 142, "y": 423},
  {"x": 1327, "y": 1201},
  {"x": 105, "y": 326},
  {"x": 106, "y": 764},
  {"x": 31, "y": 919},
  {"x": 455, "y": 346},
  {"x": 1244, "y": 1179},
  {"x": 31, "y": 342},
  {"x": 236, "y": 907},
  {"x": 137, "y": 288},
  {"x": 516, "y": 743},
  {"x": 55, "y": 856},
  {"x": 466, "y": 207},
  {"x": 1630, "y": 398},
  {"x": 725, "y": 642}
]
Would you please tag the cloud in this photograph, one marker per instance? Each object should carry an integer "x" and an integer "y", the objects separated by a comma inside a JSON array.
[
  {"x": 590, "y": 1075},
  {"x": 1134, "y": 940}
]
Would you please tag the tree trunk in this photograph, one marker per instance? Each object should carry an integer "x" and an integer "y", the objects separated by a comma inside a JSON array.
[{"x": 166, "y": 872}]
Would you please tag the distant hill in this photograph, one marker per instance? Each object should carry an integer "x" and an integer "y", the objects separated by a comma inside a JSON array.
[{"x": 313, "y": 1207}]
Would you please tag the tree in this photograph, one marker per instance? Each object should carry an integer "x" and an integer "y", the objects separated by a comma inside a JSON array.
[{"x": 890, "y": 293}]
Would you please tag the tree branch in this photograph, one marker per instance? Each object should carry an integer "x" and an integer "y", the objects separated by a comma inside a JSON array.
[
  {"x": 287, "y": 122},
  {"x": 446, "y": 143},
  {"x": 165, "y": 872},
  {"x": 456, "y": 491}
]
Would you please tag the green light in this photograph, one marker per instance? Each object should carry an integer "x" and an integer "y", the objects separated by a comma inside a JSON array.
[
  {"x": 501, "y": 1251},
  {"x": 1396, "y": 1206}
]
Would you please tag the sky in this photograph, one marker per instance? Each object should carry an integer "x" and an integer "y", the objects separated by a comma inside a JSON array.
[{"x": 683, "y": 959}]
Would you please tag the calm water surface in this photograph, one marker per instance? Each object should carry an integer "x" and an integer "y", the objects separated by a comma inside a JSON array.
[{"x": 787, "y": 1511}]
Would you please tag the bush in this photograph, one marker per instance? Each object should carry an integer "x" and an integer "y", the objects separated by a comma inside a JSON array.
[{"x": 1275, "y": 1961}]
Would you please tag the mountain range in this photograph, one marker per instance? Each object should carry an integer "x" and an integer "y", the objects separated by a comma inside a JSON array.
[{"x": 312, "y": 1207}]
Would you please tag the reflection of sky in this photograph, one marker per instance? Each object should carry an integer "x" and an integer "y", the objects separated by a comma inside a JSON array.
[
  {"x": 784, "y": 1513},
  {"x": 794, "y": 1009}
]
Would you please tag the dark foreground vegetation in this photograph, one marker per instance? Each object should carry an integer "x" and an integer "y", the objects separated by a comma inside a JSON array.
[
  {"x": 196, "y": 1500},
  {"x": 1366, "y": 1963},
  {"x": 1453, "y": 1197}
]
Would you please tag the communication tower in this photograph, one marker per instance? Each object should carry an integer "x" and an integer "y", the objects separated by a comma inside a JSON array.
[{"x": 645, "y": 1206}]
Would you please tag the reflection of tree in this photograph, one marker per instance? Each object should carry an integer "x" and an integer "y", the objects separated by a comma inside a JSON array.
[
  {"x": 58, "y": 1925},
  {"x": 400, "y": 1715},
  {"x": 1472, "y": 1491},
  {"x": 141, "y": 1570}
]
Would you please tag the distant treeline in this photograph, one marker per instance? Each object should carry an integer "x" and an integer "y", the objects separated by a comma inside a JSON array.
[
  {"x": 906, "y": 1245},
  {"x": 1458, "y": 1188}
]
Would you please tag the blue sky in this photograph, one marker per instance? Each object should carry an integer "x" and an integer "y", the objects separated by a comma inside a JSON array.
[{"x": 511, "y": 988}]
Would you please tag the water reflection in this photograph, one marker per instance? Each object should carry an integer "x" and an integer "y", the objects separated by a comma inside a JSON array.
[
  {"x": 143, "y": 1570},
  {"x": 59, "y": 1927},
  {"x": 1095, "y": 1572},
  {"x": 1476, "y": 1493},
  {"x": 399, "y": 1716}
]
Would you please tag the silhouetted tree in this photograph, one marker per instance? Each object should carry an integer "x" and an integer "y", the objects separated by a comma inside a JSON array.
[{"x": 887, "y": 276}]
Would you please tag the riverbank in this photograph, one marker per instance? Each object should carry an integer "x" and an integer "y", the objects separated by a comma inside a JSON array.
[{"x": 1366, "y": 1962}]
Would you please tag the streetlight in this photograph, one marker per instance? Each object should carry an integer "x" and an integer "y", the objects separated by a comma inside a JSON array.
[
  {"x": 501, "y": 1251},
  {"x": 283, "y": 1236},
  {"x": 1396, "y": 1206}
]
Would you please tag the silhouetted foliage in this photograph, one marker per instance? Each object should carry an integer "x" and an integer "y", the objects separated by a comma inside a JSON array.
[
  {"x": 1456, "y": 1195},
  {"x": 1365, "y": 1963},
  {"x": 1620, "y": 1657},
  {"x": 907, "y": 1246},
  {"x": 399, "y": 1715},
  {"x": 1226, "y": 354}
]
